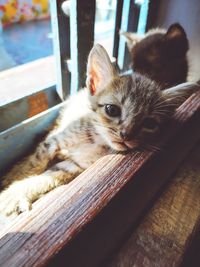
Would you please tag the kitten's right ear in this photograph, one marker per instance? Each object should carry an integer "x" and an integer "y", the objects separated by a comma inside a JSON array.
[
  {"x": 175, "y": 31},
  {"x": 177, "y": 40},
  {"x": 131, "y": 38},
  {"x": 176, "y": 95},
  {"x": 100, "y": 70}
]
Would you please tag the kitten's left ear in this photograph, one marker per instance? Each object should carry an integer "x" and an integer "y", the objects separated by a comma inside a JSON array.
[
  {"x": 176, "y": 95},
  {"x": 131, "y": 38},
  {"x": 100, "y": 70}
]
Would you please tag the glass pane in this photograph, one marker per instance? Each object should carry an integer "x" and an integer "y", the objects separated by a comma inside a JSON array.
[
  {"x": 105, "y": 23},
  {"x": 26, "y": 48}
]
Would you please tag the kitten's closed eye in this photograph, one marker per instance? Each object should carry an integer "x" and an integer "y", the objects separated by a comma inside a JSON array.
[{"x": 150, "y": 124}]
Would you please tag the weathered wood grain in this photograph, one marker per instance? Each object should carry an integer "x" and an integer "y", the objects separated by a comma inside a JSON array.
[
  {"x": 192, "y": 256},
  {"x": 85, "y": 220},
  {"x": 163, "y": 236}
]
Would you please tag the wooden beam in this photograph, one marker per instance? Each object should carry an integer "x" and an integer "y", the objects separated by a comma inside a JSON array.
[
  {"x": 169, "y": 233},
  {"x": 82, "y": 223},
  {"x": 191, "y": 256}
]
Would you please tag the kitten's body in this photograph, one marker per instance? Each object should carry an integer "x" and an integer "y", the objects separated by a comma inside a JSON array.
[
  {"x": 160, "y": 54},
  {"x": 114, "y": 113}
]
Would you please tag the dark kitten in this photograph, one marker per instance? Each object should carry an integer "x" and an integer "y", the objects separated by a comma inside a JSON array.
[{"x": 160, "y": 54}]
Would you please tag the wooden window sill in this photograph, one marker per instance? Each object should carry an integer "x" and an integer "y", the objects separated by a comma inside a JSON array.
[
  {"x": 168, "y": 235},
  {"x": 26, "y": 79},
  {"x": 83, "y": 222}
]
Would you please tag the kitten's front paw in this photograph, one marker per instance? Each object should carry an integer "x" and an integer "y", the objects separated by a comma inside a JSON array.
[{"x": 13, "y": 202}]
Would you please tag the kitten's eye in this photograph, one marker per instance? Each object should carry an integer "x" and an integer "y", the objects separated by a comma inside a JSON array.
[
  {"x": 150, "y": 124},
  {"x": 112, "y": 110}
]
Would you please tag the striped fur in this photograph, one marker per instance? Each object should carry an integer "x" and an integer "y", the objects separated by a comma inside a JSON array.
[{"x": 84, "y": 132}]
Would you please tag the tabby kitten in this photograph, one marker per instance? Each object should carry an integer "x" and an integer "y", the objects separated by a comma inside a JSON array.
[
  {"x": 114, "y": 113},
  {"x": 160, "y": 54}
]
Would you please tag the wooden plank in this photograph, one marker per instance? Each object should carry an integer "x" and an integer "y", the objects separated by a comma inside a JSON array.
[
  {"x": 192, "y": 256},
  {"x": 82, "y": 16},
  {"x": 162, "y": 237},
  {"x": 85, "y": 220},
  {"x": 19, "y": 139},
  {"x": 61, "y": 44},
  {"x": 26, "y": 107}
]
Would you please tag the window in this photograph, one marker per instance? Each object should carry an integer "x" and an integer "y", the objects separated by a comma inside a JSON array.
[
  {"x": 25, "y": 47},
  {"x": 82, "y": 214}
]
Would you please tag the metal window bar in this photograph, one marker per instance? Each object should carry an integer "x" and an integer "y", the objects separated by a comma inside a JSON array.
[
  {"x": 82, "y": 17},
  {"x": 79, "y": 29},
  {"x": 70, "y": 39},
  {"x": 61, "y": 44},
  {"x": 134, "y": 16}
]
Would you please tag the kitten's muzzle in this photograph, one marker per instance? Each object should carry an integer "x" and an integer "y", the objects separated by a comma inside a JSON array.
[
  {"x": 124, "y": 145},
  {"x": 125, "y": 141},
  {"x": 125, "y": 135}
]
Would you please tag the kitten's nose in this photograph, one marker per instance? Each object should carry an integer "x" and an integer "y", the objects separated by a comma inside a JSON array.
[{"x": 125, "y": 135}]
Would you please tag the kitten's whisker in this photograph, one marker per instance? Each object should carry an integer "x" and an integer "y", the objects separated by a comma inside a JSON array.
[
  {"x": 150, "y": 147},
  {"x": 163, "y": 109},
  {"x": 170, "y": 102},
  {"x": 154, "y": 147},
  {"x": 105, "y": 127},
  {"x": 163, "y": 114}
]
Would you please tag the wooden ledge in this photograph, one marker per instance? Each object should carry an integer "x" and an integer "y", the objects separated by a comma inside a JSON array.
[
  {"x": 27, "y": 79},
  {"x": 168, "y": 235},
  {"x": 82, "y": 223}
]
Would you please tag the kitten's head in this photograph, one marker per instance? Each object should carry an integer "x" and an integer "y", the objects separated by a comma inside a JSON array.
[
  {"x": 160, "y": 54},
  {"x": 128, "y": 110}
]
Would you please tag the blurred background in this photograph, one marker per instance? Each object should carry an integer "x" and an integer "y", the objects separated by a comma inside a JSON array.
[{"x": 27, "y": 63}]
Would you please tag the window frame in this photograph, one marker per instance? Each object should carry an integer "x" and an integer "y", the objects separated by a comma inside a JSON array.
[{"x": 94, "y": 212}]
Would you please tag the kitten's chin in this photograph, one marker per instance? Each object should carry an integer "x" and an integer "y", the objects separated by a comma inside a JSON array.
[
  {"x": 119, "y": 146},
  {"x": 123, "y": 146}
]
